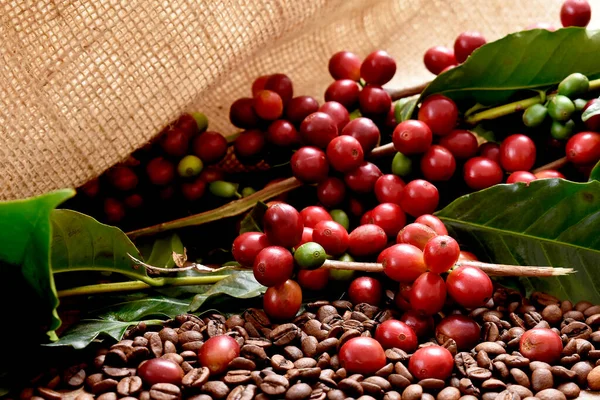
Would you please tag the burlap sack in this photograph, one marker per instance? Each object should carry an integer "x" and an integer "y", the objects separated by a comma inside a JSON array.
[{"x": 83, "y": 83}]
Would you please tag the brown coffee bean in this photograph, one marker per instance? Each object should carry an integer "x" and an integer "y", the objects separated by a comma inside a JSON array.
[
  {"x": 284, "y": 334},
  {"x": 427, "y": 396},
  {"x": 466, "y": 387},
  {"x": 552, "y": 313},
  {"x": 379, "y": 381},
  {"x": 48, "y": 394},
  {"x": 468, "y": 397},
  {"x": 570, "y": 360},
  {"x": 550, "y": 394},
  {"x": 544, "y": 299},
  {"x": 401, "y": 369},
  {"x": 494, "y": 385},
  {"x": 305, "y": 362},
  {"x": 399, "y": 381},
  {"x": 292, "y": 352},
  {"x": 327, "y": 345},
  {"x": 336, "y": 394},
  {"x": 341, "y": 373},
  {"x": 327, "y": 377},
  {"x": 464, "y": 361},
  {"x": 522, "y": 391},
  {"x": 164, "y": 391},
  {"x": 593, "y": 320},
  {"x": 582, "y": 305},
  {"x": 82, "y": 396},
  {"x": 216, "y": 389},
  {"x": 259, "y": 342},
  {"x": 351, "y": 387},
  {"x": 385, "y": 371},
  {"x": 395, "y": 354},
  {"x": 242, "y": 363},
  {"x": 168, "y": 334},
  {"x": 309, "y": 346},
  {"x": 324, "y": 361},
  {"x": 145, "y": 395},
  {"x": 577, "y": 330},
  {"x": 562, "y": 373},
  {"x": 103, "y": 386},
  {"x": 538, "y": 364},
  {"x": 541, "y": 379},
  {"x": 372, "y": 389},
  {"x": 117, "y": 372},
  {"x": 593, "y": 379},
  {"x": 280, "y": 363},
  {"x": 253, "y": 352},
  {"x": 129, "y": 385},
  {"x": 483, "y": 360},
  {"x": 516, "y": 361},
  {"x": 449, "y": 393},
  {"x": 342, "y": 305},
  {"x": 347, "y": 335},
  {"x": 74, "y": 376},
  {"x": 516, "y": 320},
  {"x": 274, "y": 385},
  {"x": 108, "y": 396},
  {"x": 569, "y": 389},
  {"x": 501, "y": 369},
  {"x": 237, "y": 377},
  {"x": 505, "y": 395},
  {"x": 490, "y": 348},
  {"x": 156, "y": 345},
  {"x": 432, "y": 384},
  {"x": 478, "y": 373},
  {"x": 392, "y": 395},
  {"x": 326, "y": 311},
  {"x": 490, "y": 332},
  {"x": 299, "y": 391},
  {"x": 520, "y": 377},
  {"x": 412, "y": 392}
]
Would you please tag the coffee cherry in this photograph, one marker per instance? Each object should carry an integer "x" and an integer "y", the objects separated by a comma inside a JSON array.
[
  {"x": 390, "y": 217},
  {"x": 438, "y": 164},
  {"x": 517, "y": 153},
  {"x": 463, "y": 330},
  {"x": 365, "y": 131},
  {"x": 378, "y": 68},
  {"x": 189, "y": 166},
  {"x": 431, "y": 362},
  {"x": 211, "y": 147},
  {"x": 541, "y": 344},
  {"x": 421, "y": 324},
  {"x": 490, "y": 150},
  {"x": 560, "y": 108},
  {"x": 549, "y": 173},
  {"x": 574, "y": 85},
  {"x": 419, "y": 197},
  {"x": 367, "y": 218},
  {"x": 388, "y": 189},
  {"x": 113, "y": 209},
  {"x": 412, "y": 137},
  {"x": 282, "y": 133},
  {"x": 160, "y": 171},
  {"x": 366, "y": 240},
  {"x": 194, "y": 190},
  {"x": 242, "y": 114},
  {"x": 249, "y": 144},
  {"x": 310, "y": 255},
  {"x": 301, "y": 107},
  {"x": 201, "y": 121},
  {"x": 466, "y": 43},
  {"x": 331, "y": 191},
  {"x": 363, "y": 178},
  {"x": 306, "y": 236},
  {"x": 467, "y": 256},
  {"x": 345, "y": 65},
  {"x": 217, "y": 352},
  {"x": 337, "y": 112},
  {"x": 283, "y": 225},
  {"x": 161, "y": 370},
  {"x": 341, "y": 218},
  {"x": 91, "y": 188},
  {"x": 332, "y": 236},
  {"x": 394, "y": 333},
  {"x": 428, "y": 294},
  {"x": 175, "y": 142},
  {"x": 535, "y": 115},
  {"x": 365, "y": 290},
  {"x": 441, "y": 253},
  {"x": 374, "y": 101},
  {"x": 583, "y": 148},
  {"x": 469, "y": 286},
  {"x": 283, "y": 301},
  {"x": 433, "y": 222},
  {"x": 343, "y": 91},
  {"x": 561, "y": 131},
  {"x": 438, "y": 58},
  {"x": 282, "y": 85},
  {"x": 575, "y": 13},
  {"x": 439, "y": 113},
  {"x": 273, "y": 265},
  {"x": 247, "y": 246},
  {"x": 312, "y": 215},
  {"x": 313, "y": 280},
  {"x": 416, "y": 234},
  {"x": 259, "y": 84},
  {"x": 355, "y": 207},
  {"x": 362, "y": 355},
  {"x": 521, "y": 176},
  {"x": 461, "y": 143},
  {"x": 480, "y": 173},
  {"x": 268, "y": 105},
  {"x": 122, "y": 178},
  {"x": 401, "y": 164},
  {"x": 318, "y": 129},
  {"x": 402, "y": 262},
  {"x": 309, "y": 164},
  {"x": 593, "y": 123},
  {"x": 402, "y": 297},
  {"x": 345, "y": 153}
]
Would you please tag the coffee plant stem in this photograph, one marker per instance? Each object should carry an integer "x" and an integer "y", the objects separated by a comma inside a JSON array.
[
  {"x": 400, "y": 93},
  {"x": 556, "y": 164},
  {"x": 381, "y": 151},
  {"x": 138, "y": 285}
]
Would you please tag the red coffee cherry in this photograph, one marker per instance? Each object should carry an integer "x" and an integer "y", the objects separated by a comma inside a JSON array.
[{"x": 466, "y": 43}]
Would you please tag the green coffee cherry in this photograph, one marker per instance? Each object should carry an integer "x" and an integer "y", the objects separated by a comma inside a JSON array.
[
  {"x": 579, "y": 104},
  {"x": 534, "y": 115},
  {"x": 574, "y": 85},
  {"x": 342, "y": 274},
  {"x": 247, "y": 191},
  {"x": 341, "y": 218},
  {"x": 355, "y": 114},
  {"x": 223, "y": 189},
  {"x": 560, "y": 108},
  {"x": 310, "y": 255},
  {"x": 561, "y": 131},
  {"x": 401, "y": 165},
  {"x": 189, "y": 166},
  {"x": 201, "y": 121}
]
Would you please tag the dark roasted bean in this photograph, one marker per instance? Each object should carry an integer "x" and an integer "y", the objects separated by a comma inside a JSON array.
[
  {"x": 165, "y": 391},
  {"x": 129, "y": 385},
  {"x": 412, "y": 392},
  {"x": 541, "y": 379},
  {"x": 550, "y": 394},
  {"x": 216, "y": 389},
  {"x": 449, "y": 393}
]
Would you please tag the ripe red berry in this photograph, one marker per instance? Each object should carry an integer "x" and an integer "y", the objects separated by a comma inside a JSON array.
[
  {"x": 345, "y": 153},
  {"x": 378, "y": 68},
  {"x": 217, "y": 352},
  {"x": 439, "y": 113},
  {"x": 390, "y": 217},
  {"x": 466, "y": 43},
  {"x": 211, "y": 147},
  {"x": 420, "y": 323},
  {"x": 362, "y": 355},
  {"x": 438, "y": 164},
  {"x": 343, "y": 91},
  {"x": 113, "y": 209},
  {"x": 249, "y": 144},
  {"x": 412, "y": 137},
  {"x": 187, "y": 123},
  {"x": 541, "y": 344},
  {"x": 463, "y": 330},
  {"x": 402, "y": 262},
  {"x": 268, "y": 105},
  {"x": 331, "y": 191},
  {"x": 91, "y": 188},
  {"x": 242, "y": 114},
  {"x": 318, "y": 129},
  {"x": 583, "y": 148},
  {"x": 332, "y": 236},
  {"x": 345, "y": 65},
  {"x": 480, "y": 173},
  {"x": 365, "y": 131},
  {"x": 490, "y": 150},
  {"x": 247, "y": 246},
  {"x": 313, "y": 280},
  {"x": 366, "y": 240},
  {"x": 283, "y": 225},
  {"x": 440, "y": 253},
  {"x": 575, "y": 13},
  {"x": 175, "y": 142},
  {"x": 431, "y": 362},
  {"x": 374, "y": 101},
  {"x": 273, "y": 265},
  {"x": 549, "y": 173},
  {"x": 259, "y": 84},
  {"x": 194, "y": 190},
  {"x": 367, "y": 218},
  {"x": 363, "y": 178},
  {"x": 282, "y": 133},
  {"x": 469, "y": 286},
  {"x": 416, "y": 234},
  {"x": 161, "y": 370},
  {"x": 428, "y": 293},
  {"x": 593, "y": 123},
  {"x": 433, "y": 222},
  {"x": 301, "y": 107},
  {"x": 211, "y": 174},
  {"x": 337, "y": 112},
  {"x": 283, "y": 301},
  {"x": 402, "y": 297},
  {"x": 122, "y": 178},
  {"x": 365, "y": 290},
  {"x": 461, "y": 143},
  {"x": 394, "y": 333},
  {"x": 419, "y": 197},
  {"x": 306, "y": 236},
  {"x": 517, "y": 153},
  {"x": 309, "y": 164},
  {"x": 521, "y": 176},
  {"x": 160, "y": 171},
  {"x": 438, "y": 58},
  {"x": 467, "y": 256},
  {"x": 388, "y": 188},
  {"x": 312, "y": 215},
  {"x": 282, "y": 85}
]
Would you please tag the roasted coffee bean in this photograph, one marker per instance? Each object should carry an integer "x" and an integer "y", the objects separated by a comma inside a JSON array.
[
  {"x": 514, "y": 361},
  {"x": 327, "y": 345},
  {"x": 164, "y": 391},
  {"x": 312, "y": 327},
  {"x": 577, "y": 330},
  {"x": 237, "y": 377},
  {"x": 501, "y": 369},
  {"x": 336, "y": 394},
  {"x": 327, "y": 377},
  {"x": 347, "y": 335},
  {"x": 118, "y": 372},
  {"x": 74, "y": 376},
  {"x": 593, "y": 379},
  {"x": 432, "y": 384},
  {"x": 260, "y": 342},
  {"x": 520, "y": 377},
  {"x": 242, "y": 363},
  {"x": 292, "y": 352},
  {"x": 544, "y": 299},
  {"x": 490, "y": 348},
  {"x": 299, "y": 391},
  {"x": 253, "y": 352},
  {"x": 449, "y": 393},
  {"x": 381, "y": 382},
  {"x": 398, "y": 381},
  {"x": 103, "y": 386},
  {"x": 552, "y": 313},
  {"x": 570, "y": 360},
  {"x": 274, "y": 385},
  {"x": 309, "y": 346},
  {"x": 145, "y": 395},
  {"x": 242, "y": 392},
  {"x": 541, "y": 379},
  {"x": 516, "y": 320},
  {"x": 412, "y": 392},
  {"x": 550, "y": 394},
  {"x": 573, "y": 315},
  {"x": 538, "y": 364},
  {"x": 233, "y": 321},
  {"x": 82, "y": 396},
  {"x": 305, "y": 362},
  {"x": 569, "y": 389},
  {"x": 582, "y": 305},
  {"x": 108, "y": 396},
  {"x": 326, "y": 311},
  {"x": 324, "y": 361},
  {"x": 494, "y": 385},
  {"x": 48, "y": 394},
  {"x": 466, "y": 387},
  {"x": 284, "y": 334},
  {"x": 317, "y": 304},
  {"x": 216, "y": 389},
  {"x": 351, "y": 387},
  {"x": 341, "y": 373},
  {"x": 385, "y": 371},
  {"x": 562, "y": 373},
  {"x": 464, "y": 361},
  {"x": 395, "y": 354},
  {"x": 593, "y": 320},
  {"x": 334, "y": 363},
  {"x": 490, "y": 332},
  {"x": 342, "y": 305},
  {"x": 392, "y": 395},
  {"x": 280, "y": 363},
  {"x": 168, "y": 334},
  {"x": 522, "y": 391},
  {"x": 156, "y": 345},
  {"x": 129, "y": 385},
  {"x": 401, "y": 369}
]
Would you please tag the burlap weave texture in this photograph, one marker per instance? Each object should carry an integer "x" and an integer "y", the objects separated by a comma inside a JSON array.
[{"x": 83, "y": 83}]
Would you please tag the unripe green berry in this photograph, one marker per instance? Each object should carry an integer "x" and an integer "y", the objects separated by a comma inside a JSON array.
[
  {"x": 310, "y": 255},
  {"x": 189, "y": 166},
  {"x": 247, "y": 191},
  {"x": 579, "y": 104},
  {"x": 201, "y": 121},
  {"x": 340, "y": 217},
  {"x": 561, "y": 131},
  {"x": 560, "y": 108},
  {"x": 343, "y": 274},
  {"x": 574, "y": 85},
  {"x": 401, "y": 165},
  {"x": 355, "y": 114},
  {"x": 223, "y": 189},
  {"x": 534, "y": 115}
]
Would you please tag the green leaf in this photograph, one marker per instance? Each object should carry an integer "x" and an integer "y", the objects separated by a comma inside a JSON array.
[
  {"x": 81, "y": 243},
  {"x": 551, "y": 222},
  {"x": 162, "y": 251},
  {"x": 404, "y": 108},
  {"x": 595, "y": 174},
  {"x": 252, "y": 222},
  {"x": 487, "y": 134},
  {"x": 532, "y": 59},
  {"x": 25, "y": 234},
  {"x": 591, "y": 111},
  {"x": 241, "y": 285},
  {"x": 136, "y": 308}
]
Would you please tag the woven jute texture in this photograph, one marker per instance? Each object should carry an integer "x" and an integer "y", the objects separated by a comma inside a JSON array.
[{"x": 83, "y": 83}]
